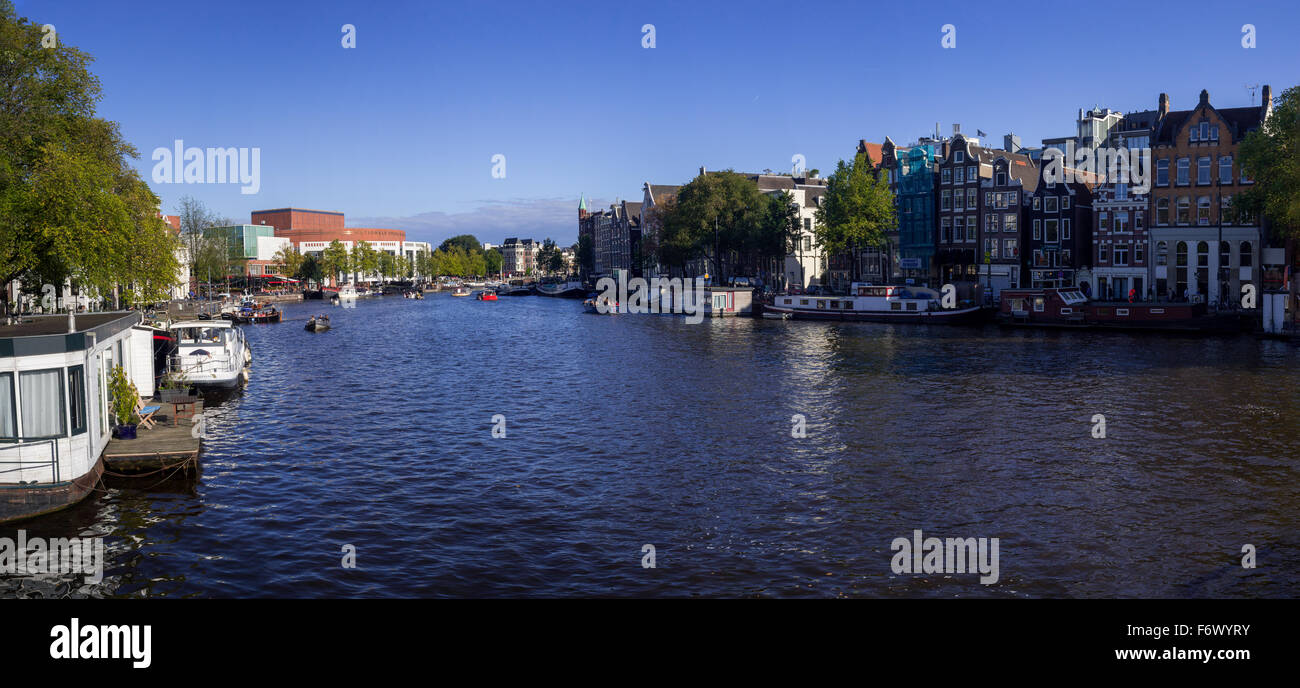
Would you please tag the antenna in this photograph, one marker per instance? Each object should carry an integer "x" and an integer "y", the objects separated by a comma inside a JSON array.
[{"x": 1252, "y": 88}]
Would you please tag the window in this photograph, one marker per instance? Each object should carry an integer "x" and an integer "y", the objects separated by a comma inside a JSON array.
[
  {"x": 1183, "y": 169},
  {"x": 957, "y": 175},
  {"x": 1036, "y": 204},
  {"x": 945, "y": 202},
  {"x": 1225, "y": 169},
  {"x": 1009, "y": 223},
  {"x": 1192, "y": 135},
  {"x": 1038, "y": 230},
  {"x": 1225, "y": 209},
  {"x": 1065, "y": 202},
  {"x": 1139, "y": 218},
  {"x": 77, "y": 398},
  {"x": 1245, "y": 255},
  {"x": 1205, "y": 131},
  {"x": 1225, "y": 254},
  {"x": 807, "y": 224},
  {"x": 1002, "y": 179},
  {"x": 807, "y": 243},
  {"x": 991, "y": 222},
  {"x": 958, "y": 229},
  {"x": 958, "y": 156},
  {"x": 1203, "y": 170},
  {"x": 8, "y": 414},
  {"x": 1162, "y": 211},
  {"x": 1103, "y": 221},
  {"x": 946, "y": 230},
  {"x": 1010, "y": 249},
  {"x": 971, "y": 174},
  {"x": 1039, "y": 304},
  {"x": 1012, "y": 196},
  {"x": 1065, "y": 228},
  {"x": 999, "y": 200},
  {"x": 1049, "y": 231},
  {"x": 1180, "y": 254},
  {"x": 970, "y": 222},
  {"x": 1203, "y": 210},
  {"x": 1065, "y": 257},
  {"x": 947, "y": 175},
  {"x": 1040, "y": 260},
  {"x": 1184, "y": 210},
  {"x": 1121, "y": 254},
  {"x": 972, "y": 197},
  {"x": 1121, "y": 221},
  {"x": 991, "y": 248},
  {"x": 1103, "y": 254},
  {"x": 1162, "y": 253},
  {"x": 1214, "y": 132},
  {"x": 1162, "y": 173},
  {"x": 1049, "y": 204},
  {"x": 41, "y": 392}
]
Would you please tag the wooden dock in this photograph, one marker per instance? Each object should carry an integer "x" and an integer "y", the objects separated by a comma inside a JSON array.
[{"x": 162, "y": 448}]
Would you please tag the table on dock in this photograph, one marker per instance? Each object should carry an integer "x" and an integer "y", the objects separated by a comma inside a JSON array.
[{"x": 169, "y": 444}]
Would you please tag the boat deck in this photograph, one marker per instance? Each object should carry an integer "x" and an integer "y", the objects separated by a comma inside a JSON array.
[{"x": 164, "y": 446}]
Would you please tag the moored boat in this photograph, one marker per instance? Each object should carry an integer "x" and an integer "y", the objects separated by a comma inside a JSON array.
[
  {"x": 210, "y": 353},
  {"x": 1067, "y": 307},
  {"x": 460, "y": 291},
  {"x": 878, "y": 303},
  {"x": 572, "y": 289}
]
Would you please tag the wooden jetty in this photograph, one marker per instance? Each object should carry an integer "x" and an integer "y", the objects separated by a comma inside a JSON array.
[{"x": 169, "y": 446}]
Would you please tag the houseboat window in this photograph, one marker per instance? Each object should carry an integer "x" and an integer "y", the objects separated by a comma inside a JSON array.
[
  {"x": 1039, "y": 304},
  {"x": 895, "y": 306},
  {"x": 8, "y": 416},
  {"x": 1066, "y": 310},
  {"x": 77, "y": 398},
  {"x": 1121, "y": 311},
  {"x": 803, "y": 302},
  {"x": 911, "y": 305},
  {"x": 41, "y": 392},
  {"x": 1017, "y": 304}
]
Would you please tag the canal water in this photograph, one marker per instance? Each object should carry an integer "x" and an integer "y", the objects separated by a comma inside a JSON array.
[{"x": 628, "y": 431}]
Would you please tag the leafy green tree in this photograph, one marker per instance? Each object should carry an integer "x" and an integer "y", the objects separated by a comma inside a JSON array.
[
  {"x": 310, "y": 270},
  {"x": 586, "y": 255},
  {"x": 547, "y": 255},
  {"x": 1270, "y": 156},
  {"x": 467, "y": 243},
  {"x": 334, "y": 260},
  {"x": 71, "y": 205},
  {"x": 720, "y": 217},
  {"x": 856, "y": 210},
  {"x": 492, "y": 261},
  {"x": 289, "y": 259}
]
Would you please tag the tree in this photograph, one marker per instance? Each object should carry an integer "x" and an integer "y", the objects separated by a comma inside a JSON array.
[
  {"x": 364, "y": 259},
  {"x": 856, "y": 210},
  {"x": 289, "y": 259},
  {"x": 586, "y": 255},
  {"x": 71, "y": 205},
  {"x": 492, "y": 261},
  {"x": 335, "y": 259},
  {"x": 546, "y": 256},
  {"x": 720, "y": 217},
  {"x": 467, "y": 243},
  {"x": 1270, "y": 156},
  {"x": 310, "y": 270}
]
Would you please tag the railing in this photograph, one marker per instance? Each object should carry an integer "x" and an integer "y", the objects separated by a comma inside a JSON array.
[
  {"x": 197, "y": 365},
  {"x": 21, "y": 464}
]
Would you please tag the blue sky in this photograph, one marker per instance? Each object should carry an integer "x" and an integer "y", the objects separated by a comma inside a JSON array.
[{"x": 400, "y": 131}]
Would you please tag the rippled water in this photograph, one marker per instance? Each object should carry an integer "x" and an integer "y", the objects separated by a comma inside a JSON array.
[{"x": 632, "y": 430}]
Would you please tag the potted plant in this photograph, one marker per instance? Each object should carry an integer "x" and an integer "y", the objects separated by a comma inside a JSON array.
[
  {"x": 172, "y": 389},
  {"x": 125, "y": 397}
]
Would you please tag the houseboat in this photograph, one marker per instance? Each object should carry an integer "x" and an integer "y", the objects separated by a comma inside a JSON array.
[
  {"x": 55, "y": 414},
  {"x": 209, "y": 353},
  {"x": 1068, "y": 307},
  {"x": 878, "y": 303},
  {"x": 347, "y": 293},
  {"x": 572, "y": 289},
  {"x": 514, "y": 290},
  {"x": 460, "y": 291}
]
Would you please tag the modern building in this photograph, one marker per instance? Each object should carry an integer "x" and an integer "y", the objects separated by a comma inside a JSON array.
[{"x": 312, "y": 231}]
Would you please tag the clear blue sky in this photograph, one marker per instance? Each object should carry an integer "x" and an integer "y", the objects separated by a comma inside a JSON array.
[{"x": 400, "y": 131}]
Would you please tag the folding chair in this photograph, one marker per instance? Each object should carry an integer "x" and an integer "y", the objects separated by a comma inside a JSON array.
[{"x": 146, "y": 413}]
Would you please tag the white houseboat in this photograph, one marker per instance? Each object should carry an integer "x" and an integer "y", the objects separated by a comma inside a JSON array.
[
  {"x": 878, "y": 303},
  {"x": 209, "y": 353},
  {"x": 55, "y": 418}
]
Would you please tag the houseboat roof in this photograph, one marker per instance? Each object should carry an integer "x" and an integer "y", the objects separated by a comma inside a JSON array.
[
  {"x": 44, "y": 325},
  {"x": 48, "y": 334}
]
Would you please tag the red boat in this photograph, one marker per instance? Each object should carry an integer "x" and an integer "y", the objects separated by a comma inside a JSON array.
[
  {"x": 1068, "y": 307},
  {"x": 486, "y": 296}
]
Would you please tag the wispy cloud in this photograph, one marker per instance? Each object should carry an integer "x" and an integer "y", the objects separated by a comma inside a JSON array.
[{"x": 492, "y": 221}]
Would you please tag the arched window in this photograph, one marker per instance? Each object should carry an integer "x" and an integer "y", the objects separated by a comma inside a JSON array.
[
  {"x": 1225, "y": 254},
  {"x": 1162, "y": 253},
  {"x": 1202, "y": 254},
  {"x": 1162, "y": 211},
  {"x": 1246, "y": 256},
  {"x": 1180, "y": 254}
]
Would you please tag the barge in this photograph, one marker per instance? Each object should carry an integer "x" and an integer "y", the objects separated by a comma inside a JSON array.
[
  {"x": 1067, "y": 307},
  {"x": 878, "y": 303}
]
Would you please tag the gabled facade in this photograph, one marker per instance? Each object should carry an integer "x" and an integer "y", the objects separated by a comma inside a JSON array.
[
  {"x": 957, "y": 240},
  {"x": 1001, "y": 222},
  {"x": 1058, "y": 233},
  {"x": 1200, "y": 253}
]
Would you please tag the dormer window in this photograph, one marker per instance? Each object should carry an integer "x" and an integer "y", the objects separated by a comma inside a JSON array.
[{"x": 1002, "y": 178}]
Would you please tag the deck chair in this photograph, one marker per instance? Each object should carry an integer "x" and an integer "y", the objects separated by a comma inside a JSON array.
[{"x": 146, "y": 413}]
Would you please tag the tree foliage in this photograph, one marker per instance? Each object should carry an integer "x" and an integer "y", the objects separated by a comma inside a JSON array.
[
  {"x": 1270, "y": 157},
  {"x": 723, "y": 218},
  {"x": 857, "y": 209}
]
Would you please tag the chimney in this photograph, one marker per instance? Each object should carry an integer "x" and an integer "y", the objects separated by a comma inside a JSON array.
[
  {"x": 1205, "y": 97},
  {"x": 956, "y": 129},
  {"x": 1266, "y": 98},
  {"x": 1164, "y": 104},
  {"x": 702, "y": 171}
]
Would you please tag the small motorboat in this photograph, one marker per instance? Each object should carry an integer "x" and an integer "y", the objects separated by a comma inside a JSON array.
[
  {"x": 318, "y": 323},
  {"x": 253, "y": 313},
  {"x": 600, "y": 305},
  {"x": 486, "y": 295},
  {"x": 460, "y": 291}
]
